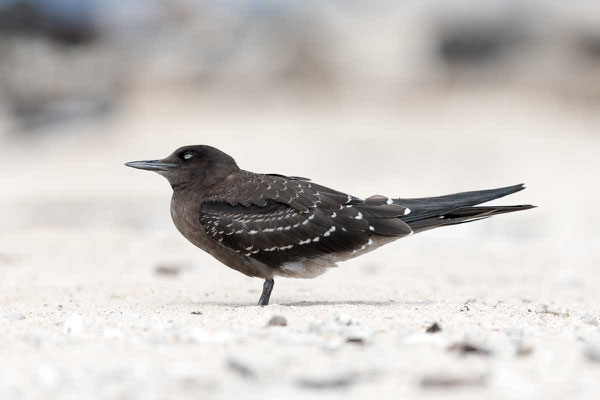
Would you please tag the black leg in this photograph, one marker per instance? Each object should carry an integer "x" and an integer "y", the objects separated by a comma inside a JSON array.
[{"x": 266, "y": 293}]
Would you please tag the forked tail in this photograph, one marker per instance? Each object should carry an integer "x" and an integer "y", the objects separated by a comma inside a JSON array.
[{"x": 432, "y": 212}]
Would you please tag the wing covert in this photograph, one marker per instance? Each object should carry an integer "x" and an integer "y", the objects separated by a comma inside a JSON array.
[{"x": 277, "y": 219}]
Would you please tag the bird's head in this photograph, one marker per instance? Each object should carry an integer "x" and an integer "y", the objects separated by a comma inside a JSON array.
[{"x": 191, "y": 166}]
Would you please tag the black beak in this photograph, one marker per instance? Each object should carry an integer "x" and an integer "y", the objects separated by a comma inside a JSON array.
[{"x": 151, "y": 165}]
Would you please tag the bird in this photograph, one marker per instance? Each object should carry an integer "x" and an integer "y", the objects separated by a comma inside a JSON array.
[{"x": 273, "y": 225}]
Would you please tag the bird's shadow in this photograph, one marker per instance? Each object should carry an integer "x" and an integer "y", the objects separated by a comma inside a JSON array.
[
  {"x": 337, "y": 303},
  {"x": 386, "y": 303}
]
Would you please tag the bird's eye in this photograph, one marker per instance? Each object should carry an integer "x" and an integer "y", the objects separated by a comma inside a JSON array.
[{"x": 187, "y": 156}]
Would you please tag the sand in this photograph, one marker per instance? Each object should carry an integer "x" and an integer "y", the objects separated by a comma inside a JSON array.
[{"x": 101, "y": 298}]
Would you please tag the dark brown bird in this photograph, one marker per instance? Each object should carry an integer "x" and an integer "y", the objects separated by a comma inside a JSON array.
[{"x": 267, "y": 225}]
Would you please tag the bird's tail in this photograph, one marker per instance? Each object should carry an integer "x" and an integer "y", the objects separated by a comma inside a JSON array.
[{"x": 432, "y": 212}]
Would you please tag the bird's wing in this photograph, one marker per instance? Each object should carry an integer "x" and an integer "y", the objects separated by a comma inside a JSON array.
[
  {"x": 247, "y": 188},
  {"x": 277, "y": 220}
]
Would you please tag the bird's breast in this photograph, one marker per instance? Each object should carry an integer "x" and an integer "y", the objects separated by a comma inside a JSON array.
[
  {"x": 186, "y": 217},
  {"x": 182, "y": 214}
]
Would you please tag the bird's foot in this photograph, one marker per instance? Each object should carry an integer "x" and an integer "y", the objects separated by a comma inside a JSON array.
[{"x": 266, "y": 293}]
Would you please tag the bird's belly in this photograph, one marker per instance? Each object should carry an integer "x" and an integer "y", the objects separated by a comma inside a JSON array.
[{"x": 306, "y": 269}]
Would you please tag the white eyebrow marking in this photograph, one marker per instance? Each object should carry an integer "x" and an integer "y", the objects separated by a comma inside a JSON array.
[{"x": 187, "y": 156}]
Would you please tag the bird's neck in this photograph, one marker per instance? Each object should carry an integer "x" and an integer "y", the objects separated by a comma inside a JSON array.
[{"x": 203, "y": 181}]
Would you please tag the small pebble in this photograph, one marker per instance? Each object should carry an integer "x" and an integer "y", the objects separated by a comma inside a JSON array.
[
  {"x": 434, "y": 328},
  {"x": 523, "y": 350},
  {"x": 448, "y": 381},
  {"x": 592, "y": 353},
  {"x": 169, "y": 270},
  {"x": 241, "y": 368},
  {"x": 277, "y": 320},
  {"x": 465, "y": 348},
  {"x": 329, "y": 382},
  {"x": 355, "y": 340}
]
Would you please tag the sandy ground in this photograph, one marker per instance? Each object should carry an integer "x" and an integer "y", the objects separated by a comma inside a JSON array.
[{"x": 101, "y": 298}]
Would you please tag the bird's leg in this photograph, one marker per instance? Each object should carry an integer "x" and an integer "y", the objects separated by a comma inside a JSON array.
[{"x": 266, "y": 293}]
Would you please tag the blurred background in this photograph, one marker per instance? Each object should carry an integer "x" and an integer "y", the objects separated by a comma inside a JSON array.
[
  {"x": 426, "y": 88},
  {"x": 411, "y": 99},
  {"x": 404, "y": 99}
]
